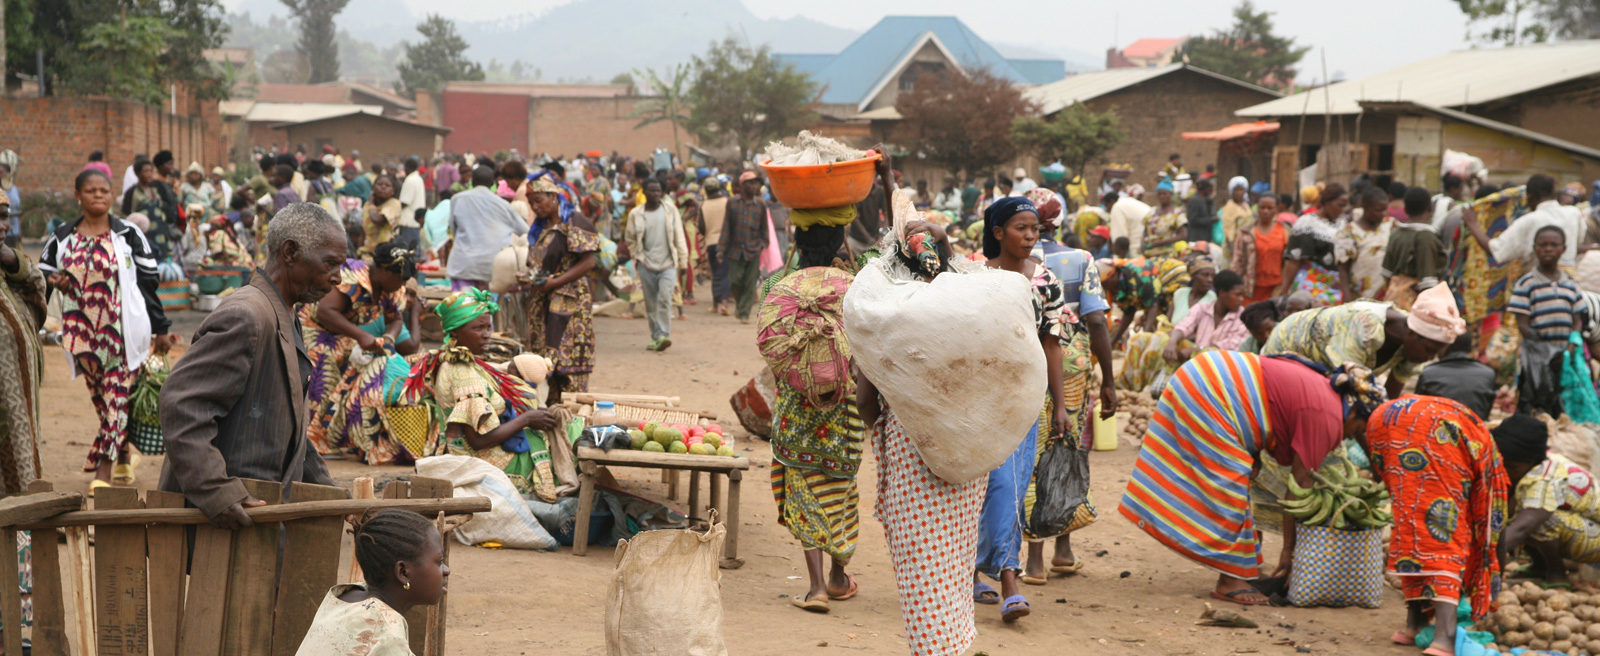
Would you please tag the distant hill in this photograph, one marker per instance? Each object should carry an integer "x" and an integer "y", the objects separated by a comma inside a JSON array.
[{"x": 597, "y": 39}]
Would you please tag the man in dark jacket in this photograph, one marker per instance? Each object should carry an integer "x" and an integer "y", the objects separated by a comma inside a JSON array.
[
  {"x": 1458, "y": 376},
  {"x": 235, "y": 405}
]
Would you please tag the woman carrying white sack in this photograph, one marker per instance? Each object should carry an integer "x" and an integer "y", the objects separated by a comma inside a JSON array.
[{"x": 932, "y": 475}]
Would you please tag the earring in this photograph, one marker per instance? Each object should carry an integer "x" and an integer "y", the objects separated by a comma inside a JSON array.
[{"x": 405, "y": 585}]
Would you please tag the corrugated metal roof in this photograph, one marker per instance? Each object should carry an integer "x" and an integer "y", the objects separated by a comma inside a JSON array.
[
  {"x": 1233, "y": 131},
  {"x": 1537, "y": 137},
  {"x": 272, "y": 92},
  {"x": 1041, "y": 71},
  {"x": 540, "y": 90},
  {"x": 267, "y": 112},
  {"x": 853, "y": 74},
  {"x": 375, "y": 117},
  {"x": 1455, "y": 79},
  {"x": 1083, "y": 87}
]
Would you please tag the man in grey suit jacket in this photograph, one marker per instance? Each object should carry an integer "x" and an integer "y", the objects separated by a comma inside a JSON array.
[{"x": 235, "y": 405}]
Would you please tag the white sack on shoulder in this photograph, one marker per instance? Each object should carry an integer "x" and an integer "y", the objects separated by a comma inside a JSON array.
[{"x": 958, "y": 360}]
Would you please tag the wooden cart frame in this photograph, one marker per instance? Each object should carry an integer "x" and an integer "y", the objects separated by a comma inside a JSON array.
[{"x": 136, "y": 590}]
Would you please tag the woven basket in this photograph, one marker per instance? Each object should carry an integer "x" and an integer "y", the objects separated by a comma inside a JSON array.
[{"x": 408, "y": 425}]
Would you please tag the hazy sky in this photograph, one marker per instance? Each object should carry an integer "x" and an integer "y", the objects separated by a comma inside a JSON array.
[{"x": 1360, "y": 37}]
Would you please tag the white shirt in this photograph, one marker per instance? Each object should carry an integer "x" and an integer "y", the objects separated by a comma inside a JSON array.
[
  {"x": 948, "y": 201},
  {"x": 1023, "y": 186},
  {"x": 1516, "y": 243},
  {"x": 413, "y": 197},
  {"x": 655, "y": 238},
  {"x": 129, "y": 179},
  {"x": 1127, "y": 220},
  {"x": 1441, "y": 209}
]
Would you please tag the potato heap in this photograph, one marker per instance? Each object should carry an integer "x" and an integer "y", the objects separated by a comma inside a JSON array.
[
  {"x": 1140, "y": 408},
  {"x": 1557, "y": 620}
]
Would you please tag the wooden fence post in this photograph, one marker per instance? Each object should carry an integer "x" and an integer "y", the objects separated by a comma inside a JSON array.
[
  {"x": 252, "y": 581},
  {"x": 49, "y": 611},
  {"x": 313, "y": 546},
  {"x": 120, "y": 580},
  {"x": 169, "y": 565}
]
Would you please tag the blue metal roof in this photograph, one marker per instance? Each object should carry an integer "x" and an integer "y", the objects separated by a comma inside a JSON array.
[{"x": 853, "y": 73}]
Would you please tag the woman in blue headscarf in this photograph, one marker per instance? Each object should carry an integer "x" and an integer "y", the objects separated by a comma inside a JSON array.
[
  {"x": 562, "y": 244},
  {"x": 1010, "y": 229},
  {"x": 1166, "y": 226}
]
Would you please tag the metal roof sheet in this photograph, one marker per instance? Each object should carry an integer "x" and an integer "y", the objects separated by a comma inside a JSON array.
[
  {"x": 1150, "y": 47},
  {"x": 1537, "y": 137},
  {"x": 268, "y": 112},
  {"x": 1454, "y": 79},
  {"x": 1233, "y": 131},
  {"x": 1083, "y": 87}
]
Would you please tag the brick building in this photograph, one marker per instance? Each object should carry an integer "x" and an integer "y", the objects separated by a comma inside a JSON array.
[
  {"x": 54, "y": 135},
  {"x": 1155, "y": 106},
  {"x": 379, "y": 138},
  {"x": 556, "y": 119}
]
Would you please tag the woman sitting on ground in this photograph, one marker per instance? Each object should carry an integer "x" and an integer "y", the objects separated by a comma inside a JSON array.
[
  {"x": 1556, "y": 505},
  {"x": 402, "y": 558},
  {"x": 1218, "y": 417},
  {"x": 478, "y": 409},
  {"x": 366, "y": 314}
]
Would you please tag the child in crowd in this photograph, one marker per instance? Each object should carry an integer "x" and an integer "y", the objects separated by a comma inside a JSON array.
[
  {"x": 1414, "y": 259},
  {"x": 402, "y": 557},
  {"x": 1548, "y": 307}
]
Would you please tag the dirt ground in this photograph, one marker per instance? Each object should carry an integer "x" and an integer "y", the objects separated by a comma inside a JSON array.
[{"x": 1134, "y": 597}]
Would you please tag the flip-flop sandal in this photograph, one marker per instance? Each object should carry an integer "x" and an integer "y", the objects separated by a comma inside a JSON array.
[
  {"x": 1435, "y": 651},
  {"x": 1077, "y": 564},
  {"x": 1016, "y": 608},
  {"x": 1237, "y": 597},
  {"x": 1035, "y": 580},
  {"x": 95, "y": 485},
  {"x": 1400, "y": 638},
  {"x": 847, "y": 593},
  {"x": 812, "y": 605},
  {"x": 984, "y": 593},
  {"x": 122, "y": 475}
]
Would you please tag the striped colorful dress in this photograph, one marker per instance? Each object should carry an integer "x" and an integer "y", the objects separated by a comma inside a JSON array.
[
  {"x": 1190, "y": 489},
  {"x": 1449, "y": 489},
  {"x": 91, "y": 320},
  {"x": 336, "y": 384},
  {"x": 816, "y": 453},
  {"x": 931, "y": 528}
]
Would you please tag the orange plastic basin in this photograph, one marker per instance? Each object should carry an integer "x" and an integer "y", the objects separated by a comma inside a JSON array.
[{"x": 819, "y": 186}]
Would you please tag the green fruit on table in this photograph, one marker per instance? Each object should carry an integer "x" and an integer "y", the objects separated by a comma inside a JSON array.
[
  {"x": 713, "y": 439},
  {"x": 702, "y": 449},
  {"x": 654, "y": 447},
  {"x": 661, "y": 435},
  {"x": 725, "y": 450},
  {"x": 637, "y": 438},
  {"x": 677, "y": 447}
]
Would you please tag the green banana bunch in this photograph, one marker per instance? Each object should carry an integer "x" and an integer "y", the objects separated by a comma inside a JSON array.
[{"x": 1339, "y": 498}]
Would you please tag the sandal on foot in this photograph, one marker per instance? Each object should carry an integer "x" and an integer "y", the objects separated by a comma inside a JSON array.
[
  {"x": 984, "y": 593},
  {"x": 95, "y": 485},
  {"x": 1237, "y": 597},
  {"x": 1077, "y": 564},
  {"x": 1035, "y": 580},
  {"x": 1400, "y": 638},
  {"x": 1435, "y": 651},
  {"x": 1016, "y": 608},
  {"x": 813, "y": 605},
  {"x": 122, "y": 475},
  {"x": 849, "y": 593}
]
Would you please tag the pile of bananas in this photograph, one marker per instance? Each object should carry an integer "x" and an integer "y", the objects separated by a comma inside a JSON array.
[{"x": 1340, "y": 498}]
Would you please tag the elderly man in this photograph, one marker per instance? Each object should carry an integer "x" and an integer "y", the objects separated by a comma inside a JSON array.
[{"x": 234, "y": 407}]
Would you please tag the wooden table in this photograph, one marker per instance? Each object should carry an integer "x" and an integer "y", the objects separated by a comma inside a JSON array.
[{"x": 590, "y": 458}]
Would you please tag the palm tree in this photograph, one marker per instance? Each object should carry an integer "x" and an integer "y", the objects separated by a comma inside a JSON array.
[{"x": 666, "y": 102}]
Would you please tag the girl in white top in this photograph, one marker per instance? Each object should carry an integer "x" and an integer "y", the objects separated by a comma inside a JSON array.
[{"x": 402, "y": 557}]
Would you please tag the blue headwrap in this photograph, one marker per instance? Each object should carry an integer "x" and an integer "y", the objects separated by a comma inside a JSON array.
[
  {"x": 1165, "y": 183},
  {"x": 1260, "y": 187},
  {"x": 547, "y": 181},
  {"x": 998, "y": 213}
]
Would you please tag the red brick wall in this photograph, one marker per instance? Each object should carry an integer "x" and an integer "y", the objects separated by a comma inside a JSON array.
[
  {"x": 53, "y": 136},
  {"x": 1155, "y": 115},
  {"x": 488, "y": 122},
  {"x": 485, "y": 122}
]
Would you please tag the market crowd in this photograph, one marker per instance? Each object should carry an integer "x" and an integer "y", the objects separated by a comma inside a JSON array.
[{"x": 1267, "y": 330}]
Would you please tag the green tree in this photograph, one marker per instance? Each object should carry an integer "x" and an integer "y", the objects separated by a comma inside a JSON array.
[
  {"x": 1075, "y": 135},
  {"x": 63, "y": 29},
  {"x": 746, "y": 96},
  {"x": 961, "y": 121},
  {"x": 317, "y": 35},
  {"x": 623, "y": 78},
  {"x": 1247, "y": 51},
  {"x": 666, "y": 101},
  {"x": 1531, "y": 21},
  {"x": 435, "y": 60}
]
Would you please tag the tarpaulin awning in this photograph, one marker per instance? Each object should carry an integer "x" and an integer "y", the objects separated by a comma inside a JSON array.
[{"x": 1234, "y": 131}]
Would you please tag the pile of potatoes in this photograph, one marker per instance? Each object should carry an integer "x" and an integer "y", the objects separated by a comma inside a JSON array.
[
  {"x": 1140, "y": 408},
  {"x": 1557, "y": 620}
]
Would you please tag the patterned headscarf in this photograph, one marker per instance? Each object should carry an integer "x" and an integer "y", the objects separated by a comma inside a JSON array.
[
  {"x": 460, "y": 308},
  {"x": 545, "y": 181},
  {"x": 1047, "y": 202},
  {"x": 1358, "y": 388}
]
